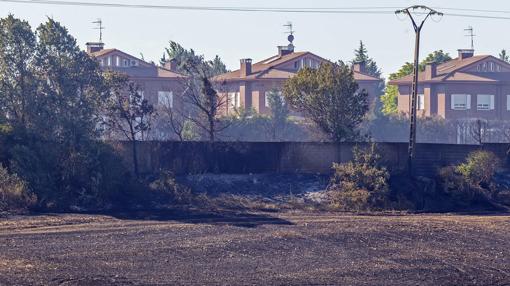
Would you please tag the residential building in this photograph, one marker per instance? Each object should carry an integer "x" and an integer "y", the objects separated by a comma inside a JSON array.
[
  {"x": 465, "y": 88},
  {"x": 161, "y": 85},
  {"x": 249, "y": 86}
]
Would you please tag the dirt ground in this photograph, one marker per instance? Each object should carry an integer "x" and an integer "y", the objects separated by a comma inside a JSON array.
[{"x": 163, "y": 248}]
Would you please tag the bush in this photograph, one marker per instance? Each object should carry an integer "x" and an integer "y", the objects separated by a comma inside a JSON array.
[
  {"x": 480, "y": 167},
  {"x": 471, "y": 182},
  {"x": 90, "y": 175},
  {"x": 359, "y": 184},
  {"x": 14, "y": 195},
  {"x": 165, "y": 184}
]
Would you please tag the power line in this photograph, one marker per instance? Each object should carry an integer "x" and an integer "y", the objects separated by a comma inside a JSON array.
[
  {"x": 320, "y": 10},
  {"x": 197, "y": 8}
]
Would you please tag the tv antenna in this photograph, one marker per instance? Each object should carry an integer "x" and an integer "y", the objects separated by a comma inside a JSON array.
[
  {"x": 290, "y": 31},
  {"x": 99, "y": 27},
  {"x": 471, "y": 34}
]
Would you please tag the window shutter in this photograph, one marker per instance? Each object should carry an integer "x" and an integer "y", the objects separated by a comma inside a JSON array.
[
  {"x": 492, "y": 102},
  {"x": 468, "y": 101},
  {"x": 508, "y": 102},
  {"x": 452, "y": 101}
]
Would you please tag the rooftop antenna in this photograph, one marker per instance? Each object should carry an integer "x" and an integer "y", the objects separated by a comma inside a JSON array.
[
  {"x": 472, "y": 35},
  {"x": 99, "y": 27},
  {"x": 291, "y": 32}
]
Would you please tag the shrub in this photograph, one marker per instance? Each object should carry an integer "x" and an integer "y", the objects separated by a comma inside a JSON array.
[
  {"x": 359, "y": 184},
  {"x": 480, "y": 167},
  {"x": 14, "y": 194},
  {"x": 166, "y": 184},
  {"x": 471, "y": 182}
]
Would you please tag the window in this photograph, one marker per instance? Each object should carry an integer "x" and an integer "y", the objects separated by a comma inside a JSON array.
[
  {"x": 420, "y": 104},
  {"x": 109, "y": 61},
  {"x": 101, "y": 62},
  {"x": 266, "y": 97},
  {"x": 234, "y": 99},
  {"x": 166, "y": 99},
  {"x": 134, "y": 63},
  {"x": 461, "y": 101},
  {"x": 508, "y": 102},
  {"x": 126, "y": 63},
  {"x": 117, "y": 61},
  {"x": 485, "y": 102}
]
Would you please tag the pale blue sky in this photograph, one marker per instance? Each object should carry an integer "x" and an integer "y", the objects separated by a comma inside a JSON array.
[{"x": 235, "y": 35}]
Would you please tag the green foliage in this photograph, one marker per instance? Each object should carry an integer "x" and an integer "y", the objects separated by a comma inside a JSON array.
[
  {"x": 390, "y": 98},
  {"x": 329, "y": 96},
  {"x": 279, "y": 114},
  {"x": 188, "y": 61},
  {"x": 17, "y": 79},
  {"x": 14, "y": 194},
  {"x": 361, "y": 55},
  {"x": 479, "y": 167},
  {"x": 52, "y": 95},
  {"x": 471, "y": 182},
  {"x": 361, "y": 183}
]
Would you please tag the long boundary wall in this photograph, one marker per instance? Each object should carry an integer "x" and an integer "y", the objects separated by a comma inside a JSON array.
[{"x": 286, "y": 157}]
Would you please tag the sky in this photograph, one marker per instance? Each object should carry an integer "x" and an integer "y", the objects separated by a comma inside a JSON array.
[{"x": 236, "y": 35}]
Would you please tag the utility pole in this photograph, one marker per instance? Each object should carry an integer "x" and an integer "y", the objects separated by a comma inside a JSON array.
[{"x": 422, "y": 10}]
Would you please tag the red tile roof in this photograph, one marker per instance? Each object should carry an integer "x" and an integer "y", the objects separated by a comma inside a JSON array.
[
  {"x": 270, "y": 69},
  {"x": 454, "y": 71}
]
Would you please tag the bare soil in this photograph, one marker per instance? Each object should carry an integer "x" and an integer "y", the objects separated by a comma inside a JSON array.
[{"x": 171, "y": 248}]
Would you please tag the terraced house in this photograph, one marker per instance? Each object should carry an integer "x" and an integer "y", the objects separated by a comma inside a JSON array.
[
  {"x": 250, "y": 85},
  {"x": 465, "y": 88}
]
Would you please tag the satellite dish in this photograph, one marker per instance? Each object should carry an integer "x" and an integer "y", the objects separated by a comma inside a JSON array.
[{"x": 290, "y": 38}]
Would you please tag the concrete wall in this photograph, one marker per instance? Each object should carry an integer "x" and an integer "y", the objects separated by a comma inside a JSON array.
[{"x": 286, "y": 157}]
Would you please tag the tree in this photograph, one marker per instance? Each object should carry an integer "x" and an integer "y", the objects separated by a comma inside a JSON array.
[
  {"x": 390, "y": 97},
  {"x": 71, "y": 89},
  {"x": 205, "y": 105},
  {"x": 17, "y": 81},
  {"x": 174, "y": 120},
  {"x": 279, "y": 113},
  {"x": 361, "y": 55},
  {"x": 504, "y": 56},
  {"x": 329, "y": 96},
  {"x": 184, "y": 58},
  {"x": 128, "y": 112},
  {"x": 202, "y": 105}
]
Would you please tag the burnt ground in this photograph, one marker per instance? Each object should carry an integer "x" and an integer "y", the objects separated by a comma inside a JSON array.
[{"x": 167, "y": 248}]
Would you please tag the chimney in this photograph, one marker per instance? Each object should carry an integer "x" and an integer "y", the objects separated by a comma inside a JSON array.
[
  {"x": 465, "y": 53},
  {"x": 285, "y": 50},
  {"x": 170, "y": 65},
  {"x": 359, "y": 67},
  {"x": 93, "y": 47},
  {"x": 245, "y": 67},
  {"x": 430, "y": 70}
]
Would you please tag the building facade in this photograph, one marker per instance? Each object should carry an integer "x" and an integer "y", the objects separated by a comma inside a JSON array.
[
  {"x": 466, "y": 88},
  {"x": 249, "y": 86},
  {"x": 161, "y": 86}
]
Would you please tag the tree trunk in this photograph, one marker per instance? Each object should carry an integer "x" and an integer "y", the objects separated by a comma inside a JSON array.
[
  {"x": 211, "y": 130},
  {"x": 135, "y": 158}
]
